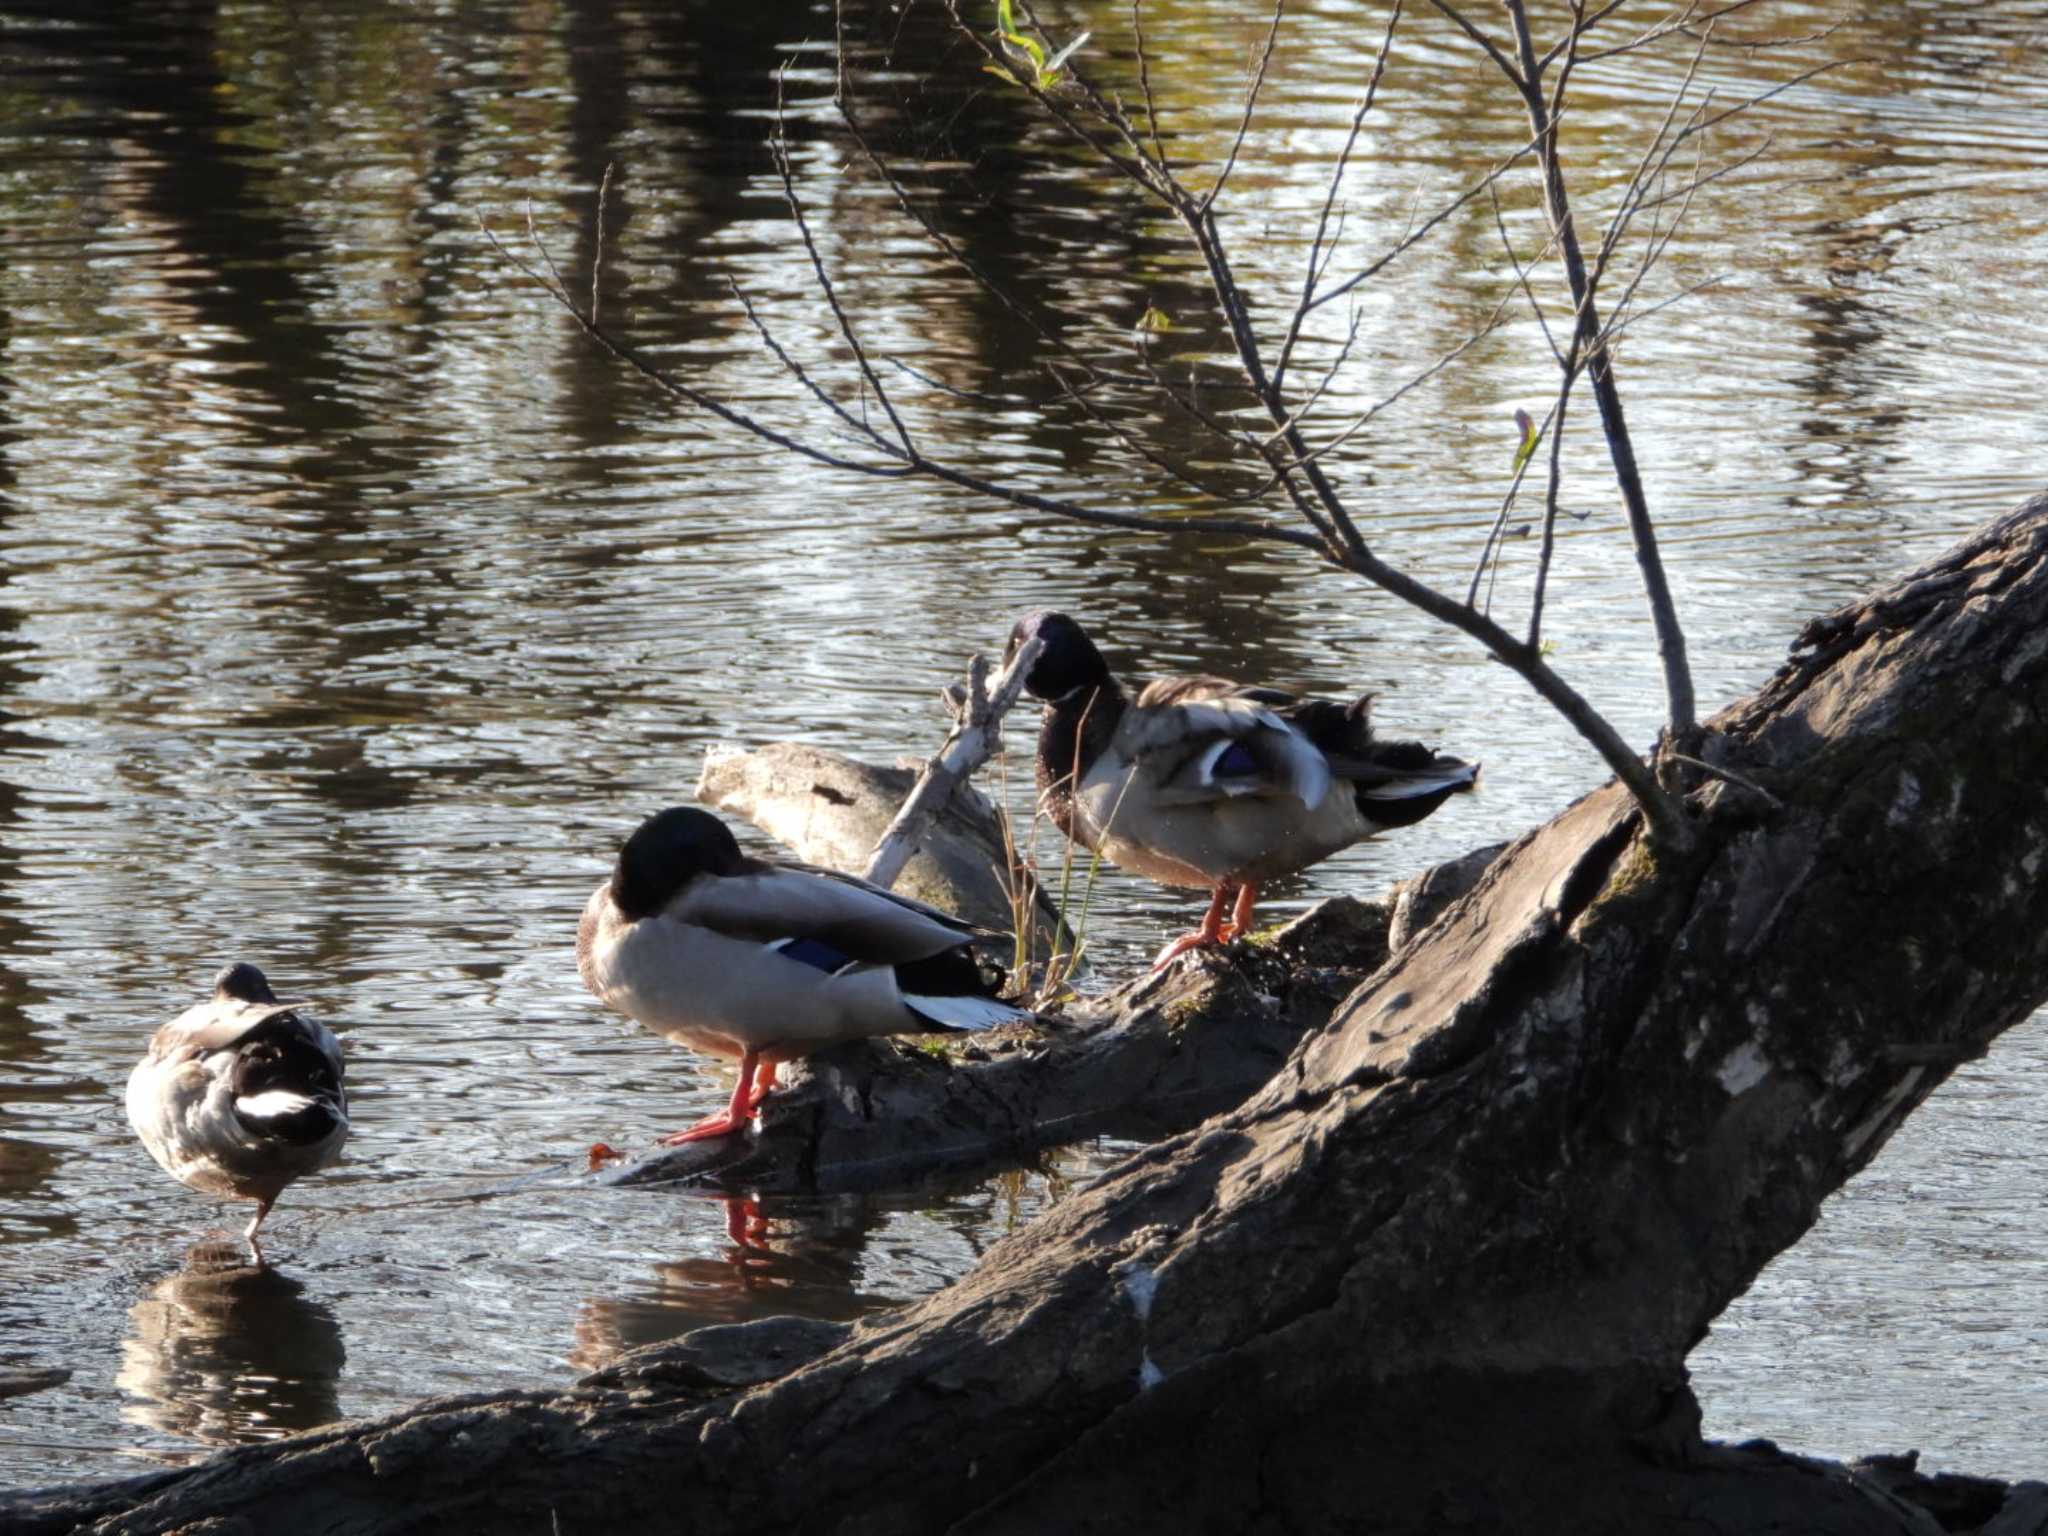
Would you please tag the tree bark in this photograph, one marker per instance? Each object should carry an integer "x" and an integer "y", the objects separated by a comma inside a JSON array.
[{"x": 1443, "y": 1271}]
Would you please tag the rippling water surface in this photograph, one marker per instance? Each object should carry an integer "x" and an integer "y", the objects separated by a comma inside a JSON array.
[{"x": 351, "y": 607}]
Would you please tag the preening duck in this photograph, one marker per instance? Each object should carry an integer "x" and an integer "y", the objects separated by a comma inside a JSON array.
[
  {"x": 240, "y": 1095},
  {"x": 768, "y": 961},
  {"x": 1206, "y": 782}
]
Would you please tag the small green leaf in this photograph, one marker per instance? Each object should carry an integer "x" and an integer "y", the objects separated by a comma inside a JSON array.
[
  {"x": 1528, "y": 444},
  {"x": 1154, "y": 322},
  {"x": 1016, "y": 42},
  {"x": 1001, "y": 73}
]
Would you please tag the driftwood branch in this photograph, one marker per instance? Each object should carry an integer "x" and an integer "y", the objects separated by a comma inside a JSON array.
[
  {"x": 975, "y": 737},
  {"x": 831, "y": 810}
]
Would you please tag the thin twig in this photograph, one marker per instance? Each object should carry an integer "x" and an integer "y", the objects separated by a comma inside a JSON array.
[
  {"x": 1540, "y": 588},
  {"x": 1414, "y": 381},
  {"x": 1415, "y": 236},
  {"x": 1493, "y": 51},
  {"x": 1731, "y": 776},
  {"x": 604, "y": 189},
  {"x": 1500, "y": 518},
  {"x": 863, "y": 429},
  {"x": 779, "y": 148},
  {"x": 1251, "y": 101},
  {"x": 1145, "y": 85},
  {"x": 1643, "y": 174},
  {"x": 550, "y": 284},
  {"x": 1318, "y": 264},
  {"x": 1615, "y": 327},
  {"x": 1522, "y": 276}
]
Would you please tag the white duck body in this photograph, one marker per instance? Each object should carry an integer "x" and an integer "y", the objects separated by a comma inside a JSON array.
[
  {"x": 728, "y": 955},
  {"x": 240, "y": 1095}
]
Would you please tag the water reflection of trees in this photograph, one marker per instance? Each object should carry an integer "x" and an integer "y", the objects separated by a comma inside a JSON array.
[{"x": 224, "y": 1353}]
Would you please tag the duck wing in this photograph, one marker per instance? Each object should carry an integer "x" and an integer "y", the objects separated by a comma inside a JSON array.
[
  {"x": 1195, "y": 687},
  {"x": 212, "y": 1026},
  {"x": 1206, "y": 739},
  {"x": 286, "y": 1080},
  {"x": 817, "y": 914},
  {"x": 1377, "y": 770}
]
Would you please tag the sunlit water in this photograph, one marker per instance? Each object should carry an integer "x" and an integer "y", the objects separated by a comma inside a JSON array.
[{"x": 353, "y": 607}]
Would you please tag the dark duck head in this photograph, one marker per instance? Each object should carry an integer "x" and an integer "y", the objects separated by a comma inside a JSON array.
[
  {"x": 1082, "y": 706},
  {"x": 243, "y": 983},
  {"x": 1068, "y": 667},
  {"x": 665, "y": 853}
]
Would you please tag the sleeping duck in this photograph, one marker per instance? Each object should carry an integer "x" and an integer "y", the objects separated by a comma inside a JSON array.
[
  {"x": 765, "y": 961},
  {"x": 1210, "y": 783},
  {"x": 240, "y": 1095}
]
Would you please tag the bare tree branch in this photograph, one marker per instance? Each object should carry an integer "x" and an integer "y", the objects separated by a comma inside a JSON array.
[
  {"x": 862, "y": 428},
  {"x": 1295, "y": 467},
  {"x": 779, "y": 146},
  {"x": 1316, "y": 263},
  {"x": 1251, "y": 102},
  {"x": 1145, "y": 85},
  {"x": 1671, "y": 652}
]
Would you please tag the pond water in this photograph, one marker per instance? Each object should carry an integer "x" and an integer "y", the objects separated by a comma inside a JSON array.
[{"x": 352, "y": 607}]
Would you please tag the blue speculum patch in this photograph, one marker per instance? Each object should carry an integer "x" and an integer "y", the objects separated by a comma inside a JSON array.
[
  {"x": 1234, "y": 762},
  {"x": 813, "y": 952}
]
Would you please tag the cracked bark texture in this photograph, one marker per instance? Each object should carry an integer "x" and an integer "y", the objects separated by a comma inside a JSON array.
[{"x": 1443, "y": 1270}]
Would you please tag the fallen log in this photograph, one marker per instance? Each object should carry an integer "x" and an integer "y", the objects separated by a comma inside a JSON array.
[
  {"x": 831, "y": 810},
  {"x": 1442, "y": 1272}
]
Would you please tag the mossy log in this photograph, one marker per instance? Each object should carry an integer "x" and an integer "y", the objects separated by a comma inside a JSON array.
[{"x": 1444, "y": 1269}]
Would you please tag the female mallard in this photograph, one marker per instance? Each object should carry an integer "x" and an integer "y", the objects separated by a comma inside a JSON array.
[
  {"x": 1210, "y": 783},
  {"x": 240, "y": 1095},
  {"x": 765, "y": 962}
]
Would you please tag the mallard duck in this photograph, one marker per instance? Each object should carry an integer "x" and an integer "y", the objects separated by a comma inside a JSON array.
[
  {"x": 767, "y": 961},
  {"x": 1206, "y": 782},
  {"x": 241, "y": 1094}
]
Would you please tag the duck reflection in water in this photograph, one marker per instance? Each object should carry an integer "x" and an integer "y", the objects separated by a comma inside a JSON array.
[
  {"x": 800, "y": 1255},
  {"x": 226, "y": 1352}
]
